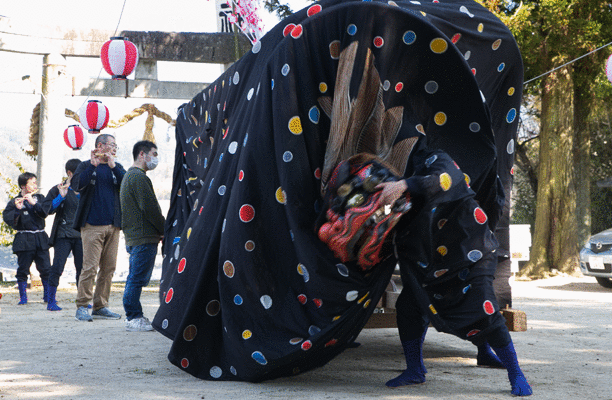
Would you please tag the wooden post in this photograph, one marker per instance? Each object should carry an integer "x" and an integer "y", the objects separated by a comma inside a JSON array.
[{"x": 51, "y": 147}]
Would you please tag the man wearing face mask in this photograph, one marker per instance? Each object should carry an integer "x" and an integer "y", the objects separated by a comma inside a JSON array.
[{"x": 143, "y": 226}]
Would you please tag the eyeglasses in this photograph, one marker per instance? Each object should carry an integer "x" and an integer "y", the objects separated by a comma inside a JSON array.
[{"x": 112, "y": 145}]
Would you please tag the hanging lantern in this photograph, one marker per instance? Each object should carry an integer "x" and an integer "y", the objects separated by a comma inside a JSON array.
[
  {"x": 74, "y": 137},
  {"x": 119, "y": 57},
  {"x": 93, "y": 115},
  {"x": 609, "y": 68}
]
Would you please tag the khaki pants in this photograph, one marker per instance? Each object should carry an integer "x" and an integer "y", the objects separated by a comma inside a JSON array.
[{"x": 100, "y": 245}]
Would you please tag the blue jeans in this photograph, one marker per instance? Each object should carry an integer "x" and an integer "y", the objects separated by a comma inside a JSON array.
[{"x": 142, "y": 261}]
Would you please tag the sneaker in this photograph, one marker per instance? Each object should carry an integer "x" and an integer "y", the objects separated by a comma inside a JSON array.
[
  {"x": 83, "y": 315},
  {"x": 105, "y": 313},
  {"x": 141, "y": 324}
]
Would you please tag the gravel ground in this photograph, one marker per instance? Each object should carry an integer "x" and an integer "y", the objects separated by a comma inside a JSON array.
[{"x": 565, "y": 354}]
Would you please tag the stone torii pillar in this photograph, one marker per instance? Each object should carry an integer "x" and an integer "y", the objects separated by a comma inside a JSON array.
[{"x": 51, "y": 147}]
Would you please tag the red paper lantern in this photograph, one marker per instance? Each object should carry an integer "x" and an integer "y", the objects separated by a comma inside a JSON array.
[
  {"x": 119, "y": 57},
  {"x": 94, "y": 116},
  {"x": 74, "y": 137}
]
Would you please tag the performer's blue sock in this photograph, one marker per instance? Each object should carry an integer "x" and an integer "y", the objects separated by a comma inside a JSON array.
[
  {"x": 507, "y": 355},
  {"x": 487, "y": 358},
  {"x": 415, "y": 369}
]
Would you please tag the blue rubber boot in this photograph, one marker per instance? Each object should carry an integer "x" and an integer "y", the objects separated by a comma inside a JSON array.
[
  {"x": 507, "y": 355},
  {"x": 23, "y": 296},
  {"x": 45, "y": 284},
  {"x": 415, "y": 369},
  {"x": 486, "y": 357},
  {"x": 52, "y": 304}
]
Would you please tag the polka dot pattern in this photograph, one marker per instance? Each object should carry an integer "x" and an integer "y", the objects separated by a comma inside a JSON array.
[{"x": 231, "y": 178}]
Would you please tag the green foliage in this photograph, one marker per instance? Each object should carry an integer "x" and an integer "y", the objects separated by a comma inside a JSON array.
[
  {"x": 280, "y": 9},
  {"x": 6, "y": 232}
]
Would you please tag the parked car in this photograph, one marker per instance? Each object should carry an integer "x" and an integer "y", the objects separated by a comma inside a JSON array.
[{"x": 596, "y": 258}]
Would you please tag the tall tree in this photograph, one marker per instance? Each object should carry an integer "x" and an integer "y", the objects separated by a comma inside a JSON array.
[{"x": 551, "y": 33}]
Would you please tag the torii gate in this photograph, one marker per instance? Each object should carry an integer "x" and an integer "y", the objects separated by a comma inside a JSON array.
[{"x": 56, "y": 43}]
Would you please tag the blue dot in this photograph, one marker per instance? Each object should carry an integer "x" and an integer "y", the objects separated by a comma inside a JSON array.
[
  {"x": 244, "y": 142},
  {"x": 259, "y": 357},
  {"x": 220, "y": 157},
  {"x": 285, "y": 70},
  {"x": 211, "y": 182},
  {"x": 272, "y": 84},
  {"x": 238, "y": 300},
  {"x": 342, "y": 269},
  {"x": 352, "y": 29},
  {"x": 314, "y": 114},
  {"x": 313, "y": 330},
  {"x": 422, "y": 264},
  {"x": 474, "y": 255},
  {"x": 287, "y": 156},
  {"x": 205, "y": 162},
  {"x": 409, "y": 37},
  {"x": 464, "y": 274},
  {"x": 501, "y": 67},
  {"x": 465, "y": 289},
  {"x": 221, "y": 190},
  {"x": 511, "y": 115}
]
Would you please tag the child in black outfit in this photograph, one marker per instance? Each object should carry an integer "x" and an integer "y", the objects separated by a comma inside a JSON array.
[{"x": 26, "y": 214}]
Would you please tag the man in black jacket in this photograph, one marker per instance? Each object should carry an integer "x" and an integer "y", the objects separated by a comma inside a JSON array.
[
  {"x": 98, "y": 217},
  {"x": 63, "y": 201}
]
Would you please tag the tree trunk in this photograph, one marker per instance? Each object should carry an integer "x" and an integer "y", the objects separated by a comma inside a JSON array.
[
  {"x": 555, "y": 241},
  {"x": 582, "y": 161}
]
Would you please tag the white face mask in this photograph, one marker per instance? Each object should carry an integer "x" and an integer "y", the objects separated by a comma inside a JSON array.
[{"x": 152, "y": 164}]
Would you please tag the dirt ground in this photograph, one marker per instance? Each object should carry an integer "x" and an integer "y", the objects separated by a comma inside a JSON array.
[{"x": 565, "y": 354}]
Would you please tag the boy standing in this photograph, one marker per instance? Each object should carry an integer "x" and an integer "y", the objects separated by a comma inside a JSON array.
[
  {"x": 26, "y": 214},
  {"x": 63, "y": 201}
]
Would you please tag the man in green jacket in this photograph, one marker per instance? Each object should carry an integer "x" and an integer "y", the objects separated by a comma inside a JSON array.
[{"x": 143, "y": 227}]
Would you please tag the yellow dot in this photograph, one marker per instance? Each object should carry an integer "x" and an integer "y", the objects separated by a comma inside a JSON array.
[
  {"x": 442, "y": 250},
  {"x": 280, "y": 195},
  {"x": 322, "y": 87},
  {"x": 188, "y": 233},
  {"x": 367, "y": 303},
  {"x": 336, "y": 318},
  {"x": 440, "y": 118},
  {"x": 510, "y": 91},
  {"x": 445, "y": 181},
  {"x": 247, "y": 334},
  {"x": 480, "y": 27},
  {"x": 432, "y": 309},
  {"x": 438, "y": 45},
  {"x": 467, "y": 178},
  {"x": 295, "y": 125},
  {"x": 363, "y": 298},
  {"x": 420, "y": 128},
  {"x": 423, "y": 13}
]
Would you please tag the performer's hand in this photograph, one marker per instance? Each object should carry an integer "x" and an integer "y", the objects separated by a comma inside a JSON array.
[
  {"x": 110, "y": 157},
  {"x": 391, "y": 191},
  {"x": 19, "y": 203},
  {"x": 95, "y": 160},
  {"x": 32, "y": 200},
  {"x": 63, "y": 188}
]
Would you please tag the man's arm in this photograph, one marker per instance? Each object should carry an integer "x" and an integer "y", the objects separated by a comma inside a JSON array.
[
  {"x": 119, "y": 172},
  {"x": 147, "y": 202},
  {"x": 82, "y": 176},
  {"x": 11, "y": 214}
]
